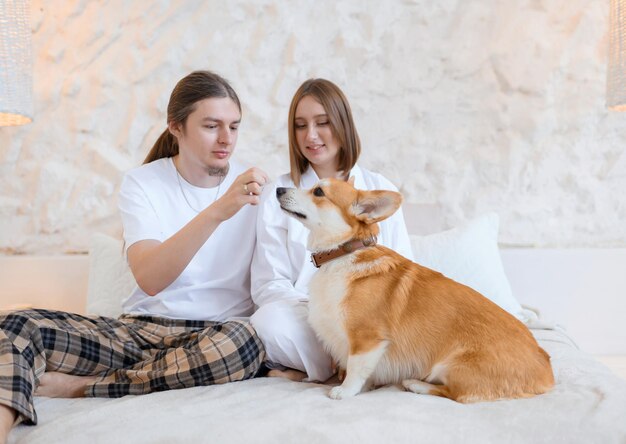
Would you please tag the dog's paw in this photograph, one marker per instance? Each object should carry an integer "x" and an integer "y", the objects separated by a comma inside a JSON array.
[
  {"x": 340, "y": 392},
  {"x": 336, "y": 393}
]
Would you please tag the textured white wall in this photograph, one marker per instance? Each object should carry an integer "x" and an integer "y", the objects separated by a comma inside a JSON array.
[{"x": 467, "y": 106}]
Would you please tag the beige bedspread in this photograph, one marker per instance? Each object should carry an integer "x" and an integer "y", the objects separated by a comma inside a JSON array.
[{"x": 588, "y": 405}]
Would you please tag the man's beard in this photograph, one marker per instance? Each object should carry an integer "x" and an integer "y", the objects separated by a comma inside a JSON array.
[{"x": 214, "y": 171}]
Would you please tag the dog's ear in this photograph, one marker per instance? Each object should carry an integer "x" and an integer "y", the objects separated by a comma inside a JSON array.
[{"x": 374, "y": 206}]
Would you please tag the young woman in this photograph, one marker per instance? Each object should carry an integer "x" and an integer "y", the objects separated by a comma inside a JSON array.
[
  {"x": 323, "y": 142},
  {"x": 186, "y": 214}
]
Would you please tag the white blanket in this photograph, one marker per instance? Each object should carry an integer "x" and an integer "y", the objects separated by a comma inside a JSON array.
[{"x": 588, "y": 404}]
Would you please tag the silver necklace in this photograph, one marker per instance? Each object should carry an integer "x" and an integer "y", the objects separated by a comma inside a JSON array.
[{"x": 180, "y": 185}]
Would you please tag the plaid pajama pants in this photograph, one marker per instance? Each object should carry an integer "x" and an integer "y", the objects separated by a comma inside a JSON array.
[{"x": 131, "y": 355}]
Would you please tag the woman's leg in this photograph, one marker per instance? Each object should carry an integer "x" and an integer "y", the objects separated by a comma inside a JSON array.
[
  {"x": 190, "y": 354},
  {"x": 290, "y": 341}
]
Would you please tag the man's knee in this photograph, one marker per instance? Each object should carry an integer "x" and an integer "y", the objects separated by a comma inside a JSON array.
[{"x": 17, "y": 322}]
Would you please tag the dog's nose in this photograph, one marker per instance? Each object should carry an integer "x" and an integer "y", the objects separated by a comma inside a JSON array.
[{"x": 280, "y": 191}]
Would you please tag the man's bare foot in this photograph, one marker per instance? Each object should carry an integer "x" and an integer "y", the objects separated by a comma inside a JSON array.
[
  {"x": 61, "y": 385},
  {"x": 7, "y": 418},
  {"x": 293, "y": 375}
]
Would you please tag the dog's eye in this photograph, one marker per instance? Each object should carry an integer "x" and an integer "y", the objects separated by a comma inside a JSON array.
[{"x": 318, "y": 192}]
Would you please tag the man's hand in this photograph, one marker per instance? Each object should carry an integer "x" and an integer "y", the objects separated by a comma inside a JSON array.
[{"x": 246, "y": 189}]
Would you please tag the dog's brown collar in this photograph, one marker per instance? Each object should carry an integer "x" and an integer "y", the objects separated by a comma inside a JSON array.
[{"x": 355, "y": 244}]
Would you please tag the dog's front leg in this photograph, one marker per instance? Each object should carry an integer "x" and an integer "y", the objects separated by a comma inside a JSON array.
[{"x": 360, "y": 367}]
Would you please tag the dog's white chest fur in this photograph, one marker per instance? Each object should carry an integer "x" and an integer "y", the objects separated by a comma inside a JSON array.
[{"x": 327, "y": 290}]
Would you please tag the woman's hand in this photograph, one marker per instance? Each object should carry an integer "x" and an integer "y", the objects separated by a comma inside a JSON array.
[{"x": 246, "y": 189}]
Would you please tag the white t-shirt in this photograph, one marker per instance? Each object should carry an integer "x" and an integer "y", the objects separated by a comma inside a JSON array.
[
  {"x": 215, "y": 285},
  {"x": 282, "y": 268}
]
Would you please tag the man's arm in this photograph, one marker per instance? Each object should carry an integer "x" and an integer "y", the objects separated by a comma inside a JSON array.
[{"x": 156, "y": 265}]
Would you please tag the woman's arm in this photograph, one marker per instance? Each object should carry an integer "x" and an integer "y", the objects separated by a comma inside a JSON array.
[
  {"x": 272, "y": 270},
  {"x": 156, "y": 264}
]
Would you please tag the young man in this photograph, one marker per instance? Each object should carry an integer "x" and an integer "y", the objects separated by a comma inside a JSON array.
[{"x": 188, "y": 216}]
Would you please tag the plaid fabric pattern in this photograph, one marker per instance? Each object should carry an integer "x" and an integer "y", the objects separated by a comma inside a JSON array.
[{"x": 131, "y": 355}]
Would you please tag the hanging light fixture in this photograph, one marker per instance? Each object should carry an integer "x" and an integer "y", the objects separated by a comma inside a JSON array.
[
  {"x": 16, "y": 63},
  {"x": 616, "y": 72}
]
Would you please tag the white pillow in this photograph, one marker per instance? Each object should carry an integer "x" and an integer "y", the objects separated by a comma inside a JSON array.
[
  {"x": 110, "y": 278},
  {"x": 469, "y": 254}
]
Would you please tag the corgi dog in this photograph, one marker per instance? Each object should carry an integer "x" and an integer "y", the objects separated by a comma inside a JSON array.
[{"x": 387, "y": 320}]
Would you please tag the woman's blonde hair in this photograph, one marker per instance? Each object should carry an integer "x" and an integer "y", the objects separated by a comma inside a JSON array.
[
  {"x": 198, "y": 85},
  {"x": 341, "y": 123}
]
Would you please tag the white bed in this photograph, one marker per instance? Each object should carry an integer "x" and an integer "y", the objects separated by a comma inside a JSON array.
[{"x": 588, "y": 403}]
